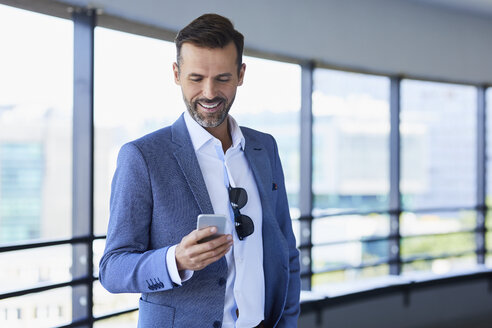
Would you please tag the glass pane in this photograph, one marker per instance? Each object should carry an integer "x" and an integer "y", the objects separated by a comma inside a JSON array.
[
  {"x": 134, "y": 94},
  {"x": 270, "y": 101},
  {"x": 128, "y": 320},
  {"x": 332, "y": 257},
  {"x": 442, "y": 222},
  {"x": 34, "y": 267},
  {"x": 438, "y": 245},
  {"x": 438, "y": 144},
  {"x": 351, "y": 140},
  {"x": 349, "y": 227},
  {"x": 440, "y": 266},
  {"x": 346, "y": 281},
  {"x": 105, "y": 302},
  {"x": 35, "y": 126},
  {"x": 98, "y": 249},
  {"x": 41, "y": 310}
]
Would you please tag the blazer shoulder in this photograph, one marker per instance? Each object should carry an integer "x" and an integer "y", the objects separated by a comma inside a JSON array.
[
  {"x": 152, "y": 142},
  {"x": 256, "y": 137}
]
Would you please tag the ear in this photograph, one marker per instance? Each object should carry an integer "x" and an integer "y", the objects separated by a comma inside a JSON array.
[
  {"x": 241, "y": 74},
  {"x": 176, "y": 74}
]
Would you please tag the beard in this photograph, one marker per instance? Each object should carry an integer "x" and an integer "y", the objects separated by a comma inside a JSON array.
[{"x": 205, "y": 119}]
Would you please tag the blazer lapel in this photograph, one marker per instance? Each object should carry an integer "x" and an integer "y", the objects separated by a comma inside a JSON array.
[
  {"x": 259, "y": 162},
  {"x": 186, "y": 158}
]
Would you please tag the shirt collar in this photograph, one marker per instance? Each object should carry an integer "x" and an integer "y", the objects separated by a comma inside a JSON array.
[{"x": 199, "y": 136}]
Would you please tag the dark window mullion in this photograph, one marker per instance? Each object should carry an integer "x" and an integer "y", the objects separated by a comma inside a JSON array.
[
  {"x": 481, "y": 174},
  {"x": 395, "y": 164},
  {"x": 306, "y": 168},
  {"x": 83, "y": 151}
]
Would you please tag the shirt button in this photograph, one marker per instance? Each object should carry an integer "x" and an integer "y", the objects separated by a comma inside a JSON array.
[
  {"x": 217, "y": 324},
  {"x": 222, "y": 281}
]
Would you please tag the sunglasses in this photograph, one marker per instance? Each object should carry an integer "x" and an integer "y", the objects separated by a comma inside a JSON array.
[{"x": 243, "y": 223}]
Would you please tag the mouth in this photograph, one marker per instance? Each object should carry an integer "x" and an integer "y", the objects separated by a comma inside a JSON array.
[{"x": 210, "y": 106}]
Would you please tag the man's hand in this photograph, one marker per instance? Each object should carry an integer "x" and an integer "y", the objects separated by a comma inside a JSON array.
[{"x": 190, "y": 255}]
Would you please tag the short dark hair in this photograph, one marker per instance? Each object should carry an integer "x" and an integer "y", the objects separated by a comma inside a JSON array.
[{"x": 210, "y": 31}]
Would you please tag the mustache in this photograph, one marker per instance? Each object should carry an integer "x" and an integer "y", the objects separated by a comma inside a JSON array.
[{"x": 209, "y": 101}]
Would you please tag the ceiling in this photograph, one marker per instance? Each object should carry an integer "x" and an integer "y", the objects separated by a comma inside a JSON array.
[
  {"x": 478, "y": 7},
  {"x": 447, "y": 40}
]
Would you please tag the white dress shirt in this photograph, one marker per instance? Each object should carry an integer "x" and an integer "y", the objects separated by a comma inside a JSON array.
[{"x": 245, "y": 287}]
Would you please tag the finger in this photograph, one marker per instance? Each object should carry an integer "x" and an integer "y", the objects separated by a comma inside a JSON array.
[
  {"x": 204, "y": 247},
  {"x": 216, "y": 255},
  {"x": 203, "y": 233},
  {"x": 193, "y": 237},
  {"x": 214, "y": 252},
  {"x": 197, "y": 249}
]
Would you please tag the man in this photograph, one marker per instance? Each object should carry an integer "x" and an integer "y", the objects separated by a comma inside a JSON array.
[{"x": 164, "y": 180}]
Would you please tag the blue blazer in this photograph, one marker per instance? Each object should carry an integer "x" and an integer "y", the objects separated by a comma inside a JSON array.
[{"x": 157, "y": 193}]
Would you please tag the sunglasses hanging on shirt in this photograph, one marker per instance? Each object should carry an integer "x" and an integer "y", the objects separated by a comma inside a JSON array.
[{"x": 243, "y": 223}]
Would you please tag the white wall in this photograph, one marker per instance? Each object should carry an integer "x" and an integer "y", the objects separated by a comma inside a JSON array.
[{"x": 387, "y": 36}]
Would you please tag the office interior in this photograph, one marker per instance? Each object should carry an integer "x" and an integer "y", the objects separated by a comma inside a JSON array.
[{"x": 381, "y": 110}]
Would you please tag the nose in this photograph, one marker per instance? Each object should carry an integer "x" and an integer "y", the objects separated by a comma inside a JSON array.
[{"x": 209, "y": 91}]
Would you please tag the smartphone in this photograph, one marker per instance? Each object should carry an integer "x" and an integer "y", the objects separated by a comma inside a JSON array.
[{"x": 212, "y": 220}]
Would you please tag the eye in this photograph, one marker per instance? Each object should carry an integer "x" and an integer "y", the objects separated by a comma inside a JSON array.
[
  {"x": 224, "y": 79},
  {"x": 195, "y": 77}
]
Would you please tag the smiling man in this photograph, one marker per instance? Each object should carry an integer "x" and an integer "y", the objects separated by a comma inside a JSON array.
[{"x": 204, "y": 164}]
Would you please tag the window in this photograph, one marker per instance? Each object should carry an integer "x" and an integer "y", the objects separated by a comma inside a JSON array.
[
  {"x": 36, "y": 86},
  {"x": 351, "y": 141},
  {"x": 350, "y": 174},
  {"x": 38, "y": 309},
  {"x": 28, "y": 268},
  {"x": 35, "y": 126},
  {"x": 438, "y": 151},
  {"x": 348, "y": 248},
  {"x": 438, "y": 141}
]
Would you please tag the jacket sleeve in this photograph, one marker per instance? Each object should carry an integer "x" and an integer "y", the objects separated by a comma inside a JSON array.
[
  {"x": 292, "y": 306},
  {"x": 128, "y": 265}
]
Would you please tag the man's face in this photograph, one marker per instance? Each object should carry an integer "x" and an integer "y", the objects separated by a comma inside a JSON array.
[{"x": 208, "y": 79}]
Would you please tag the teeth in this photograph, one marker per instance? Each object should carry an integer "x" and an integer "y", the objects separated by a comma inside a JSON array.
[{"x": 210, "y": 106}]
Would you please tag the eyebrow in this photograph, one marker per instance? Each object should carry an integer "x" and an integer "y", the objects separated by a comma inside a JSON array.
[
  {"x": 218, "y": 76},
  {"x": 194, "y": 75},
  {"x": 224, "y": 75}
]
